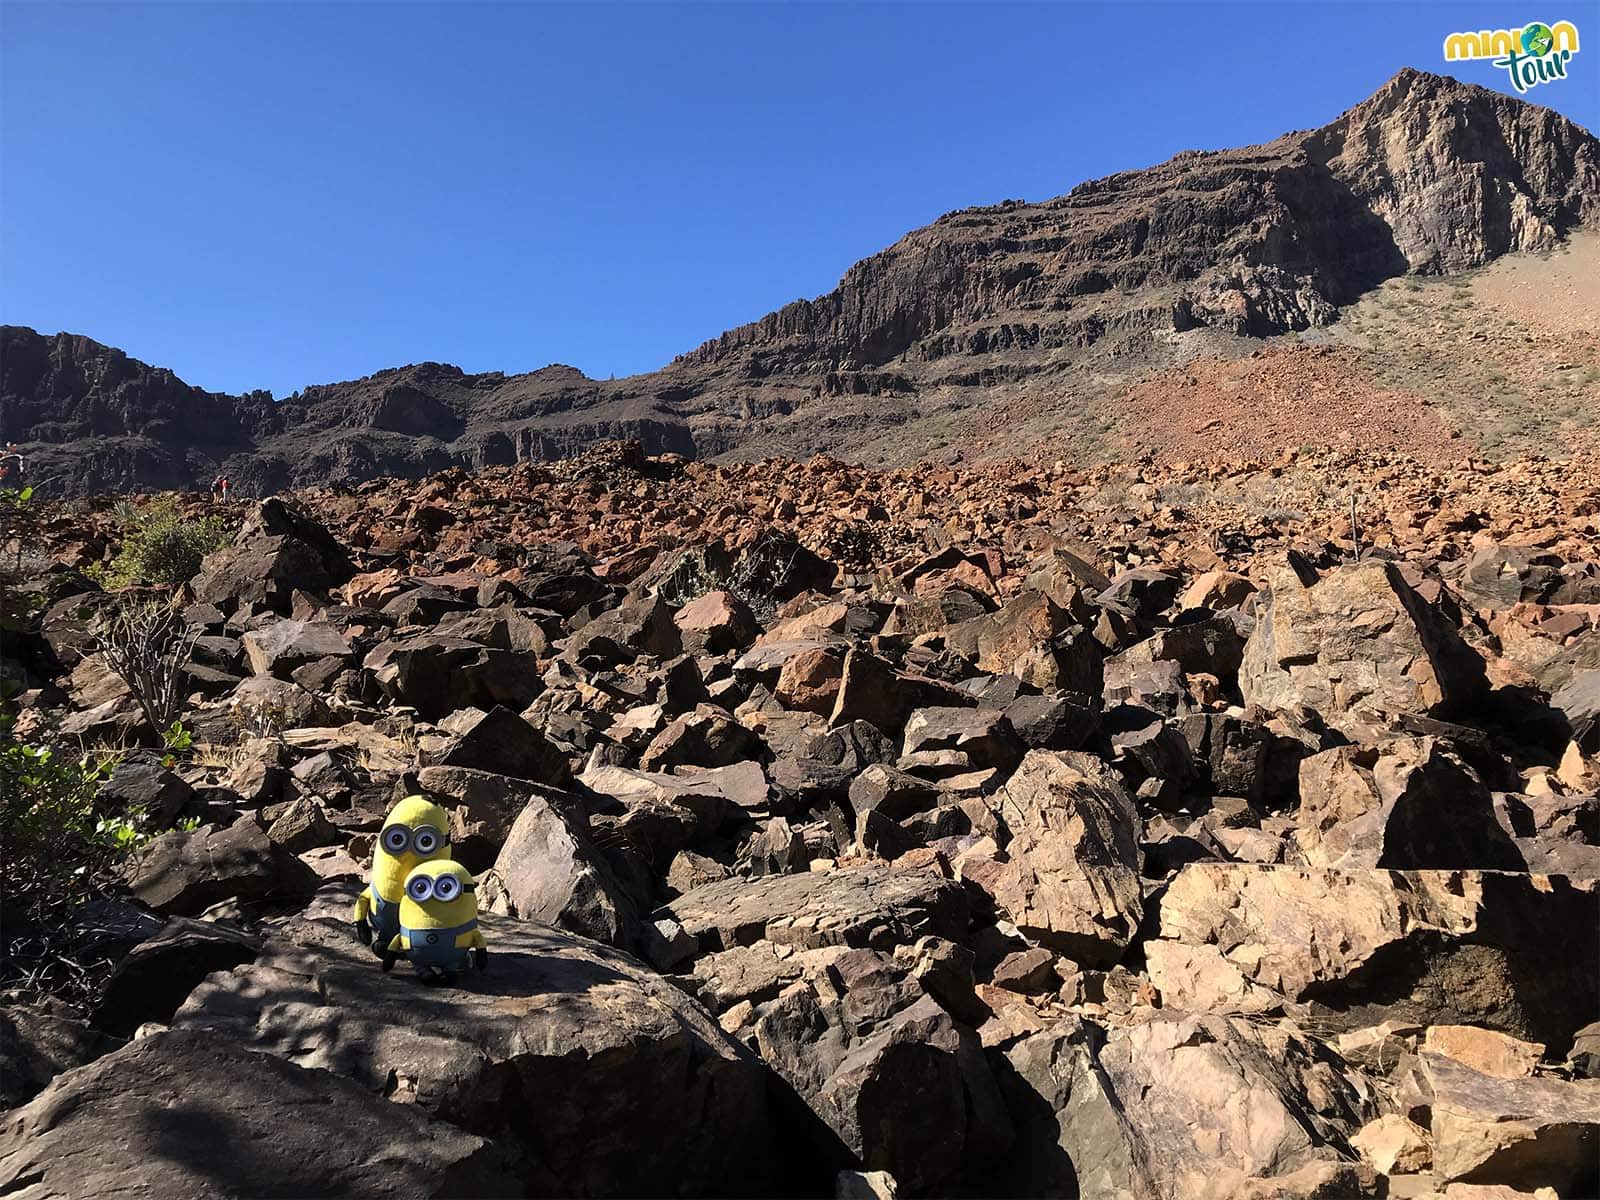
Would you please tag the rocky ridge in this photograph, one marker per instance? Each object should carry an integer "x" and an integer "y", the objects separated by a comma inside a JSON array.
[
  {"x": 873, "y": 833},
  {"x": 1024, "y": 304}
]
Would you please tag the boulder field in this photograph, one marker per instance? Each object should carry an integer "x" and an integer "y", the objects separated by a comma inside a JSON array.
[{"x": 811, "y": 868}]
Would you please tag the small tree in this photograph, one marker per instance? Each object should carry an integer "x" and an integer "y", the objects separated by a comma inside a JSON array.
[{"x": 147, "y": 644}]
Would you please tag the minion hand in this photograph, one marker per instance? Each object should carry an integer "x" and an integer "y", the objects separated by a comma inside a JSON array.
[
  {"x": 480, "y": 959},
  {"x": 363, "y": 932}
]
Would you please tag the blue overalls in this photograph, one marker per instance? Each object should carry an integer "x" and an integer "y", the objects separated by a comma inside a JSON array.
[
  {"x": 385, "y": 918},
  {"x": 437, "y": 947}
]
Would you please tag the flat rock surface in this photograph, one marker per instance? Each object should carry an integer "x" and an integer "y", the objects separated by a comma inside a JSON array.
[
  {"x": 854, "y": 906},
  {"x": 621, "y": 1082},
  {"x": 191, "y": 1115}
]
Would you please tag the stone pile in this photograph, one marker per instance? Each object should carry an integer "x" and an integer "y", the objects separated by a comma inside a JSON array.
[{"x": 984, "y": 866}]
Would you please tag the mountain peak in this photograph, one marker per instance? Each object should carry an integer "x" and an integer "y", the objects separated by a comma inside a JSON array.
[{"x": 1427, "y": 175}]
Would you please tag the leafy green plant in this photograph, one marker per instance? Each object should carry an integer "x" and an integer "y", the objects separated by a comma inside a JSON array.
[
  {"x": 177, "y": 739},
  {"x": 49, "y": 814},
  {"x": 61, "y": 841},
  {"x": 19, "y": 525},
  {"x": 163, "y": 546}
]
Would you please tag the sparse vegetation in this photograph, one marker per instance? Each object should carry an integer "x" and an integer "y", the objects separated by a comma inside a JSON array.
[
  {"x": 147, "y": 645},
  {"x": 756, "y": 577},
  {"x": 162, "y": 546},
  {"x": 61, "y": 841},
  {"x": 259, "y": 719}
]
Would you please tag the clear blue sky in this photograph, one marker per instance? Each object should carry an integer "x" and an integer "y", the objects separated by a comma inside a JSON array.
[{"x": 280, "y": 194}]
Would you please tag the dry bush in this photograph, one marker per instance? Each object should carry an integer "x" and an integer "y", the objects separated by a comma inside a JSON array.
[
  {"x": 147, "y": 644},
  {"x": 757, "y": 576}
]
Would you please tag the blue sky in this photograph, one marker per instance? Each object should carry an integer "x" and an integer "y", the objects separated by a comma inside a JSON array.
[{"x": 280, "y": 194}]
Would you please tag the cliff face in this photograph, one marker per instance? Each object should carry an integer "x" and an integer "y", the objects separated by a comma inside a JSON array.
[{"x": 1428, "y": 175}]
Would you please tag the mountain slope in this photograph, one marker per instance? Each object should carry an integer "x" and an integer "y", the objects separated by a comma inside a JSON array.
[{"x": 985, "y": 305}]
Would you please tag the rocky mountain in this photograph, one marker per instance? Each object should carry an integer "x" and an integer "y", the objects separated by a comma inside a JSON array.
[{"x": 1036, "y": 300}]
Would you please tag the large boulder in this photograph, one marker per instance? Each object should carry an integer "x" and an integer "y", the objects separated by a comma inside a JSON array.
[
  {"x": 190, "y": 1115},
  {"x": 706, "y": 737},
  {"x": 1061, "y": 721},
  {"x": 1176, "y": 1107},
  {"x": 871, "y": 690},
  {"x": 501, "y": 742},
  {"x": 982, "y": 737},
  {"x": 1036, "y": 640},
  {"x": 37, "y": 1044},
  {"x": 481, "y": 805},
  {"x": 276, "y": 552},
  {"x": 878, "y": 1062},
  {"x": 141, "y": 782},
  {"x": 1216, "y": 1102},
  {"x": 501, "y": 628},
  {"x": 716, "y": 623},
  {"x": 1070, "y": 879},
  {"x": 1146, "y": 592},
  {"x": 1522, "y": 1133},
  {"x": 1500, "y": 576},
  {"x": 601, "y": 1078},
  {"x": 186, "y": 871},
  {"x": 1214, "y": 646},
  {"x": 154, "y": 978},
  {"x": 1510, "y": 952},
  {"x": 866, "y": 906},
  {"x": 865, "y": 1040},
  {"x": 1407, "y": 803},
  {"x": 639, "y": 625},
  {"x": 1357, "y": 645},
  {"x": 549, "y": 871},
  {"x": 809, "y": 679},
  {"x": 437, "y": 675},
  {"x": 281, "y": 646},
  {"x": 659, "y": 814},
  {"x": 1072, "y": 1138}
]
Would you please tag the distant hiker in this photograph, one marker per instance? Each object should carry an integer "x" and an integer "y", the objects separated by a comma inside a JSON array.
[
  {"x": 216, "y": 488},
  {"x": 11, "y": 458},
  {"x": 225, "y": 486}
]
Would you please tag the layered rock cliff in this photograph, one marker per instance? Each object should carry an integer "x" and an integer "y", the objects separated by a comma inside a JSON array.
[{"x": 1426, "y": 176}]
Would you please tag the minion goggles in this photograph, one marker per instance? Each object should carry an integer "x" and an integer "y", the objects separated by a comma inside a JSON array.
[
  {"x": 444, "y": 888},
  {"x": 424, "y": 839}
]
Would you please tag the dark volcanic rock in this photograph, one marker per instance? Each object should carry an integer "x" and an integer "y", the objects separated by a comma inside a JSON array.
[
  {"x": 1510, "y": 952},
  {"x": 186, "y": 872},
  {"x": 276, "y": 552},
  {"x": 606, "y": 1079},
  {"x": 36, "y": 1045},
  {"x": 859, "y": 907},
  {"x": 194, "y": 1115}
]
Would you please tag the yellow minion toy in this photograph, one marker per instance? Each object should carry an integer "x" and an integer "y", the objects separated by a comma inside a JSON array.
[
  {"x": 415, "y": 831},
  {"x": 439, "y": 931}
]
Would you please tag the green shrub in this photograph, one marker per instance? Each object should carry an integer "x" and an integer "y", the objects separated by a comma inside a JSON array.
[
  {"x": 163, "y": 546},
  {"x": 55, "y": 833},
  {"x": 60, "y": 845}
]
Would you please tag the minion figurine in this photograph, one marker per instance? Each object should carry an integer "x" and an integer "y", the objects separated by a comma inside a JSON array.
[
  {"x": 439, "y": 931},
  {"x": 413, "y": 832}
]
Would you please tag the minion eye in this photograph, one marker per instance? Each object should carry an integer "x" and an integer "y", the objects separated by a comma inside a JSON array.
[
  {"x": 395, "y": 839},
  {"x": 424, "y": 840},
  {"x": 420, "y": 889},
  {"x": 447, "y": 887}
]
